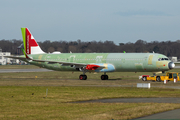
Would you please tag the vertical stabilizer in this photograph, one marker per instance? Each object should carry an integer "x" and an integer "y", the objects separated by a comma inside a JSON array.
[{"x": 30, "y": 44}]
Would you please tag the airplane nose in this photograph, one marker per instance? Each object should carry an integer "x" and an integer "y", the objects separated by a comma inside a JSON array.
[{"x": 171, "y": 65}]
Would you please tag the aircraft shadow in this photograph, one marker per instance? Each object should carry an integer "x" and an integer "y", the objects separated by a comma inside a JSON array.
[{"x": 116, "y": 79}]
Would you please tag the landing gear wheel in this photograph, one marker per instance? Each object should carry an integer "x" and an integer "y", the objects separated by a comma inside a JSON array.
[
  {"x": 144, "y": 78},
  {"x": 107, "y": 77},
  {"x": 83, "y": 77},
  {"x": 158, "y": 79},
  {"x": 104, "y": 77}
]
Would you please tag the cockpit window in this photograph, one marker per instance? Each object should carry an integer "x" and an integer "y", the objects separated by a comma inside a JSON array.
[{"x": 161, "y": 59}]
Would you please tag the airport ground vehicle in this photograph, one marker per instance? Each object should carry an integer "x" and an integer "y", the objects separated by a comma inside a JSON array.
[{"x": 170, "y": 76}]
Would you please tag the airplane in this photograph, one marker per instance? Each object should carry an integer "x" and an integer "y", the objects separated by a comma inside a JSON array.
[{"x": 92, "y": 62}]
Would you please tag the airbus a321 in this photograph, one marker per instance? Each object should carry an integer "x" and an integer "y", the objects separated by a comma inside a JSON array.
[{"x": 92, "y": 62}]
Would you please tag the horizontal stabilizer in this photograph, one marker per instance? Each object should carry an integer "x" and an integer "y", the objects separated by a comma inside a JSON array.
[{"x": 15, "y": 57}]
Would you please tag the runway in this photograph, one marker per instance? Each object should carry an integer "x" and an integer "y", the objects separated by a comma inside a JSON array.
[
  {"x": 177, "y": 67},
  {"x": 168, "y": 115},
  {"x": 23, "y": 70},
  {"x": 134, "y": 100}
]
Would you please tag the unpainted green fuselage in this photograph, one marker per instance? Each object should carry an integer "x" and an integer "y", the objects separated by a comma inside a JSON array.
[{"x": 122, "y": 62}]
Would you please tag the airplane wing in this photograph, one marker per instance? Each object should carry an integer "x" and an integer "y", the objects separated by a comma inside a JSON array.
[
  {"x": 77, "y": 65},
  {"x": 53, "y": 62}
]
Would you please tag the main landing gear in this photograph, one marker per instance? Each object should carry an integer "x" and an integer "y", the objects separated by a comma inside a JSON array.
[{"x": 84, "y": 77}]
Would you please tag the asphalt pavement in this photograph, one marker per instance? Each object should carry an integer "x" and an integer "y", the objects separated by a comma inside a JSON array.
[
  {"x": 23, "y": 70},
  {"x": 134, "y": 100},
  {"x": 168, "y": 115}
]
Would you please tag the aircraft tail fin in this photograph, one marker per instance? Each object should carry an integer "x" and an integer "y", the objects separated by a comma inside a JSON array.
[{"x": 30, "y": 44}]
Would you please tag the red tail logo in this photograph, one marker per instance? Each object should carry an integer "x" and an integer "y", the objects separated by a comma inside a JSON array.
[{"x": 30, "y": 42}]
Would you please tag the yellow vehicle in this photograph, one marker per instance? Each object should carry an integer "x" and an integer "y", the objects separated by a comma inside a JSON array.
[{"x": 170, "y": 76}]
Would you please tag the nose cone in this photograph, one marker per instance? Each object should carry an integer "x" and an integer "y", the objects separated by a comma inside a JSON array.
[{"x": 171, "y": 65}]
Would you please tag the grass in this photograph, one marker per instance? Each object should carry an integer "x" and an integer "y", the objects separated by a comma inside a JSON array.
[
  {"x": 57, "y": 78},
  {"x": 23, "y": 96},
  {"x": 30, "y": 102}
]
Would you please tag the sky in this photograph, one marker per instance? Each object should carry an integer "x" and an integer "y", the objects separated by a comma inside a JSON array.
[{"x": 121, "y": 21}]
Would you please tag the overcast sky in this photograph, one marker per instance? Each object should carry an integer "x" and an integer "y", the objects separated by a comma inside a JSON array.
[{"x": 120, "y": 21}]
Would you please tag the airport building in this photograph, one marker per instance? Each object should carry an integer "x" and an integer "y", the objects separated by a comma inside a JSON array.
[
  {"x": 9, "y": 61},
  {"x": 4, "y": 60},
  {"x": 173, "y": 59}
]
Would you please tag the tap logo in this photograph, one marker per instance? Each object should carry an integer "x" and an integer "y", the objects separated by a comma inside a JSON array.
[
  {"x": 27, "y": 45},
  {"x": 30, "y": 42}
]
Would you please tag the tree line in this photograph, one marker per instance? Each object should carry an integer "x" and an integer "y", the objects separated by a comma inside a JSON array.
[{"x": 168, "y": 48}]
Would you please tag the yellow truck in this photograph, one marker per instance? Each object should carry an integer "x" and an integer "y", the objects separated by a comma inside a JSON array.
[{"x": 170, "y": 76}]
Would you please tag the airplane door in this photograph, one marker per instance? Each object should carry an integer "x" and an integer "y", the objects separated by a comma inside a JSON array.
[
  {"x": 98, "y": 59},
  {"x": 72, "y": 58},
  {"x": 150, "y": 59}
]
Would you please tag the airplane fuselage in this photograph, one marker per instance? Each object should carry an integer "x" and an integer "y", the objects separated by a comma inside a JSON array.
[{"x": 120, "y": 62}]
